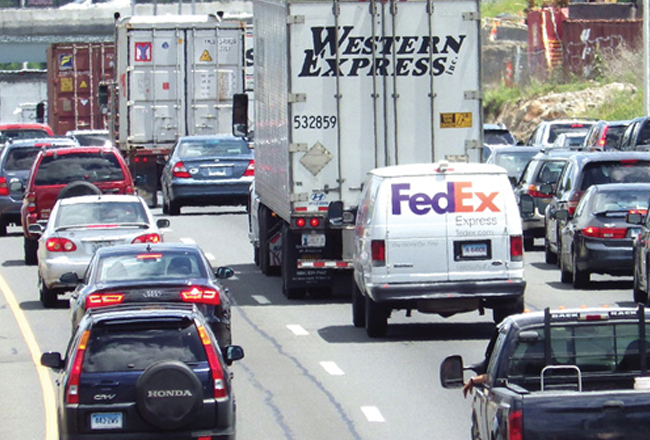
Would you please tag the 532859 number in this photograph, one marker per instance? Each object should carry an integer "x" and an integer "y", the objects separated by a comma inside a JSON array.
[{"x": 313, "y": 122}]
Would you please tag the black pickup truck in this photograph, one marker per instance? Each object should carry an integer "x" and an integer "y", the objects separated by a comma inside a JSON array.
[{"x": 564, "y": 374}]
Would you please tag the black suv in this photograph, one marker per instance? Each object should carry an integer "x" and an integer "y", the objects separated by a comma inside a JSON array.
[
  {"x": 636, "y": 136},
  {"x": 137, "y": 371},
  {"x": 581, "y": 171}
]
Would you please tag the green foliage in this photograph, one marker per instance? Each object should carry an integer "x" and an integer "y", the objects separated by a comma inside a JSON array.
[
  {"x": 495, "y": 8},
  {"x": 621, "y": 106}
]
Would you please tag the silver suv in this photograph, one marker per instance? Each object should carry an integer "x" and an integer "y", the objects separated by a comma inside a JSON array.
[{"x": 547, "y": 131}]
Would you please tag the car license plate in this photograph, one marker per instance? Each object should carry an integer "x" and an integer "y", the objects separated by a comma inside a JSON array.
[
  {"x": 100, "y": 244},
  {"x": 313, "y": 240},
  {"x": 106, "y": 421},
  {"x": 217, "y": 172},
  {"x": 472, "y": 250}
]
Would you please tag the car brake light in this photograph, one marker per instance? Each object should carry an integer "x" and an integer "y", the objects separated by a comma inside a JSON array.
[
  {"x": 72, "y": 388},
  {"x": 60, "y": 245},
  {"x": 202, "y": 295},
  {"x": 129, "y": 190},
  {"x": 596, "y": 232},
  {"x": 378, "y": 252},
  {"x": 4, "y": 190},
  {"x": 180, "y": 171},
  {"x": 147, "y": 238},
  {"x": 516, "y": 248},
  {"x": 103, "y": 300},
  {"x": 220, "y": 391},
  {"x": 250, "y": 169},
  {"x": 515, "y": 425},
  {"x": 533, "y": 191}
]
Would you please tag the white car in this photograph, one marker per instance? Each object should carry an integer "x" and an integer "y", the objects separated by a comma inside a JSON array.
[{"x": 78, "y": 226}]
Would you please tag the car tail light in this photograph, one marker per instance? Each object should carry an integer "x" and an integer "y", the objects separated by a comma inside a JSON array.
[
  {"x": 378, "y": 252},
  {"x": 60, "y": 245},
  {"x": 573, "y": 201},
  {"x": 129, "y": 190},
  {"x": 147, "y": 238},
  {"x": 72, "y": 388},
  {"x": 516, "y": 248},
  {"x": 31, "y": 199},
  {"x": 103, "y": 299},
  {"x": 533, "y": 191},
  {"x": 220, "y": 391},
  {"x": 515, "y": 425},
  {"x": 250, "y": 169},
  {"x": 180, "y": 171},
  {"x": 202, "y": 295},
  {"x": 596, "y": 232},
  {"x": 4, "y": 189}
]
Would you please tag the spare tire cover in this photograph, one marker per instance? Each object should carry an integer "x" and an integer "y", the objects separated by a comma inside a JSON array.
[
  {"x": 78, "y": 188},
  {"x": 169, "y": 395}
]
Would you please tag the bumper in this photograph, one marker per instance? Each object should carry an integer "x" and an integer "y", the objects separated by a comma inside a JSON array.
[
  {"x": 601, "y": 258},
  {"x": 205, "y": 194},
  {"x": 51, "y": 270}
]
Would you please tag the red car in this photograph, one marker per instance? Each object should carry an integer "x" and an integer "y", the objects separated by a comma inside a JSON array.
[
  {"x": 24, "y": 131},
  {"x": 65, "y": 172}
]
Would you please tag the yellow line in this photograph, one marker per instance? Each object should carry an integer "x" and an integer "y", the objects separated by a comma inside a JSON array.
[{"x": 43, "y": 373}]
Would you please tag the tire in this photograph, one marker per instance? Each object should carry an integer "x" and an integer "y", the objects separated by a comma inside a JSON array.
[
  {"x": 512, "y": 308},
  {"x": 3, "y": 229},
  {"x": 78, "y": 188},
  {"x": 376, "y": 319},
  {"x": 49, "y": 297},
  {"x": 265, "y": 262},
  {"x": 549, "y": 256},
  {"x": 256, "y": 255},
  {"x": 174, "y": 208},
  {"x": 529, "y": 243},
  {"x": 358, "y": 306},
  {"x": 165, "y": 206},
  {"x": 566, "y": 277},
  {"x": 30, "y": 248},
  {"x": 639, "y": 295},
  {"x": 172, "y": 412},
  {"x": 580, "y": 277}
]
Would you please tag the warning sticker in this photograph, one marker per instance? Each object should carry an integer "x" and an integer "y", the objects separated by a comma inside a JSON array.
[
  {"x": 67, "y": 85},
  {"x": 456, "y": 120},
  {"x": 143, "y": 51},
  {"x": 205, "y": 56},
  {"x": 83, "y": 85}
]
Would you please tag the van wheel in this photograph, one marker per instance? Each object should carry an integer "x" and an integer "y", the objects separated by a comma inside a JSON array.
[
  {"x": 3, "y": 229},
  {"x": 358, "y": 306},
  {"x": 512, "y": 308},
  {"x": 30, "y": 247},
  {"x": 376, "y": 319},
  {"x": 549, "y": 257}
]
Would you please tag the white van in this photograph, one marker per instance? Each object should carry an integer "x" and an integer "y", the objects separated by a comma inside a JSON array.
[{"x": 438, "y": 238}]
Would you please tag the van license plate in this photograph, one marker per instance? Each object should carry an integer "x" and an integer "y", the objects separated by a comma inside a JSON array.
[
  {"x": 313, "y": 240},
  {"x": 472, "y": 250},
  {"x": 106, "y": 421}
]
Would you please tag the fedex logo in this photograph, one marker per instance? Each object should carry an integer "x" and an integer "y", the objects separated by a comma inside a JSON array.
[{"x": 459, "y": 197}]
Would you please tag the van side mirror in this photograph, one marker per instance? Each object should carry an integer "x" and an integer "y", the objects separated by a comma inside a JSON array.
[{"x": 240, "y": 114}]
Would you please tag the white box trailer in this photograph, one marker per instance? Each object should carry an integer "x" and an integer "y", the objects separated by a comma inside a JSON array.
[
  {"x": 342, "y": 87},
  {"x": 176, "y": 76}
]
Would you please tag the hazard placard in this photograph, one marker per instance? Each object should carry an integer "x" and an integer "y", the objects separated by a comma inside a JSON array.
[
  {"x": 456, "y": 120},
  {"x": 83, "y": 85},
  {"x": 67, "y": 85},
  {"x": 205, "y": 56}
]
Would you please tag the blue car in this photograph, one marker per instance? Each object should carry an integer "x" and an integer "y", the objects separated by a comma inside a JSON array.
[{"x": 206, "y": 171}]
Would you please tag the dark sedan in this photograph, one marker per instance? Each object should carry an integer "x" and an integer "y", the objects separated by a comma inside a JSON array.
[
  {"x": 169, "y": 272},
  {"x": 598, "y": 239},
  {"x": 207, "y": 170}
]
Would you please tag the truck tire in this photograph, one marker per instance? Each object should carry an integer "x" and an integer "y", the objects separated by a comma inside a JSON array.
[
  {"x": 264, "y": 217},
  {"x": 529, "y": 243},
  {"x": 358, "y": 306},
  {"x": 49, "y": 297},
  {"x": 173, "y": 208},
  {"x": 502, "y": 312},
  {"x": 376, "y": 319},
  {"x": 78, "y": 188},
  {"x": 30, "y": 248}
]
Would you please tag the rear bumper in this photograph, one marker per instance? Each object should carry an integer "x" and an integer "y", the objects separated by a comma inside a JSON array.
[
  {"x": 600, "y": 258},
  {"x": 205, "y": 194}
]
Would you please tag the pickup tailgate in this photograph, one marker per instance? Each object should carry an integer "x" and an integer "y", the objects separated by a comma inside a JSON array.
[{"x": 587, "y": 415}]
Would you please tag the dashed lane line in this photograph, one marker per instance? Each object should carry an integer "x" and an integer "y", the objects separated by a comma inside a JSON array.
[
  {"x": 372, "y": 414},
  {"x": 261, "y": 299},
  {"x": 187, "y": 241},
  {"x": 297, "y": 330},
  {"x": 332, "y": 368}
]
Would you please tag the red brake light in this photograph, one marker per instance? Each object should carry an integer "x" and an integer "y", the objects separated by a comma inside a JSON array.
[
  {"x": 301, "y": 222},
  {"x": 516, "y": 248},
  {"x": 4, "y": 189},
  {"x": 72, "y": 388},
  {"x": 148, "y": 256},
  {"x": 378, "y": 252},
  {"x": 103, "y": 300},
  {"x": 220, "y": 391},
  {"x": 202, "y": 295},
  {"x": 180, "y": 171},
  {"x": 147, "y": 238},
  {"x": 60, "y": 245},
  {"x": 533, "y": 191},
  {"x": 515, "y": 425},
  {"x": 572, "y": 203},
  {"x": 250, "y": 169},
  {"x": 314, "y": 222},
  {"x": 596, "y": 232}
]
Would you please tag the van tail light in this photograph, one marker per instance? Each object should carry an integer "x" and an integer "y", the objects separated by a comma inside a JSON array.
[
  {"x": 147, "y": 238},
  {"x": 31, "y": 202},
  {"x": 573, "y": 201},
  {"x": 378, "y": 252},
  {"x": 4, "y": 189},
  {"x": 515, "y": 425},
  {"x": 596, "y": 232},
  {"x": 72, "y": 388},
  {"x": 250, "y": 169},
  {"x": 60, "y": 245},
  {"x": 218, "y": 379},
  {"x": 103, "y": 299},
  {"x": 534, "y": 191},
  {"x": 516, "y": 248},
  {"x": 201, "y": 295},
  {"x": 180, "y": 171}
]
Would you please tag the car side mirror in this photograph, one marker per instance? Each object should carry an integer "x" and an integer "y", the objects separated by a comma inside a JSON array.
[
  {"x": 562, "y": 214},
  {"x": 451, "y": 372},
  {"x": 52, "y": 360},
  {"x": 36, "y": 229},
  {"x": 635, "y": 218},
  {"x": 162, "y": 223},
  {"x": 240, "y": 115},
  {"x": 526, "y": 205},
  {"x": 69, "y": 278},
  {"x": 234, "y": 353},
  {"x": 224, "y": 272}
]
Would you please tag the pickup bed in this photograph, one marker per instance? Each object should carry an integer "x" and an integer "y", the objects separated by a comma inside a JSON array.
[{"x": 566, "y": 374}]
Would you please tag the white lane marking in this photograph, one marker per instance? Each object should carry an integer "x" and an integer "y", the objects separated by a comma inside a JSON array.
[
  {"x": 261, "y": 299},
  {"x": 332, "y": 368},
  {"x": 372, "y": 414},
  {"x": 187, "y": 241},
  {"x": 209, "y": 256},
  {"x": 297, "y": 330}
]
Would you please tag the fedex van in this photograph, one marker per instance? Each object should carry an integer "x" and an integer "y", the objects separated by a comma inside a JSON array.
[{"x": 438, "y": 238}]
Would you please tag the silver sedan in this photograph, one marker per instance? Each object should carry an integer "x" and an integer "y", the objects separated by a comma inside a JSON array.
[{"x": 79, "y": 226}]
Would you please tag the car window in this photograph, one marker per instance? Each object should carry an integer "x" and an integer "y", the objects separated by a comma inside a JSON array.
[
  {"x": 613, "y": 136},
  {"x": 212, "y": 148},
  {"x": 557, "y": 129},
  {"x": 162, "y": 266},
  {"x": 549, "y": 171},
  {"x": 94, "y": 213},
  {"x": 514, "y": 162},
  {"x": 130, "y": 347},
  {"x": 627, "y": 171},
  {"x": 621, "y": 201},
  {"x": 20, "y": 159},
  {"x": 58, "y": 169},
  {"x": 24, "y": 134}
]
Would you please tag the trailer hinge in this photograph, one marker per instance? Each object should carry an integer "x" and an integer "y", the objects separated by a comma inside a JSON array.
[
  {"x": 297, "y": 97},
  {"x": 472, "y": 144},
  {"x": 473, "y": 94},
  {"x": 297, "y": 147},
  {"x": 471, "y": 16},
  {"x": 295, "y": 19},
  {"x": 300, "y": 197}
]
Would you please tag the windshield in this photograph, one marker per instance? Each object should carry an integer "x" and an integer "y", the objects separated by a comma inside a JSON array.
[{"x": 625, "y": 171}]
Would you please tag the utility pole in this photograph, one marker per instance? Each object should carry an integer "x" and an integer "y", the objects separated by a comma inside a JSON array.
[{"x": 646, "y": 57}]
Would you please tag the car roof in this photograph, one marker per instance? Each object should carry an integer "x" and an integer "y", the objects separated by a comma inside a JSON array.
[
  {"x": 44, "y": 142},
  {"x": 24, "y": 125},
  {"x": 425, "y": 169},
  {"x": 82, "y": 150},
  {"x": 100, "y": 198},
  {"x": 515, "y": 148},
  {"x": 555, "y": 154},
  {"x": 147, "y": 247},
  {"x": 212, "y": 137}
]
